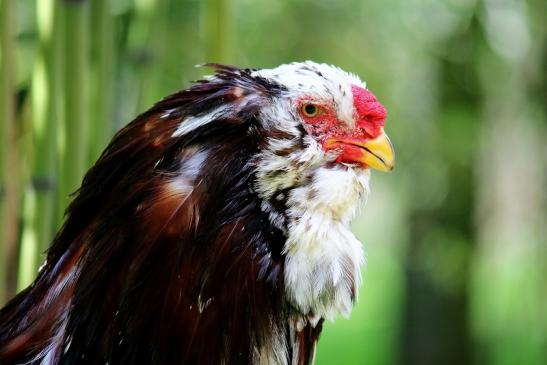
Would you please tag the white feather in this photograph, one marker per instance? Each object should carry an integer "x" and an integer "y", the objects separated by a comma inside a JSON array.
[
  {"x": 194, "y": 122},
  {"x": 322, "y": 256}
]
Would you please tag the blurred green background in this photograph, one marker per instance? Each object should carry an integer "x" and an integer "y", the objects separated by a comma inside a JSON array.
[{"x": 455, "y": 236}]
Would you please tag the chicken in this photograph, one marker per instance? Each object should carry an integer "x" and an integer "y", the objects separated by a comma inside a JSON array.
[{"x": 214, "y": 228}]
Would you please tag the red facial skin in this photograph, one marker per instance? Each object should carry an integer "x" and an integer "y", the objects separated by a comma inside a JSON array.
[
  {"x": 325, "y": 123},
  {"x": 369, "y": 118}
]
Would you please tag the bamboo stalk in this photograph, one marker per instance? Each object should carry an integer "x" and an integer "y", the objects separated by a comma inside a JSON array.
[
  {"x": 40, "y": 196},
  {"x": 155, "y": 49},
  {"x": 216, "y": 27},
  {"x": 103, "y": 67},
  {"x": 144, "y": 47},
  {"x": 74, "y": 142},
  {"x": 8, "y": 148}
]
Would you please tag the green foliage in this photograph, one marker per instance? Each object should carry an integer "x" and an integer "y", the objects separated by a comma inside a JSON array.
[
  {"x": 9, "y": 175},
  {"x": 455, "y": 236}
]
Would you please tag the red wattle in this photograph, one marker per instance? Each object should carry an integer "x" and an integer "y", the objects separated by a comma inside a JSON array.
[{"x": 350, "y": 154}]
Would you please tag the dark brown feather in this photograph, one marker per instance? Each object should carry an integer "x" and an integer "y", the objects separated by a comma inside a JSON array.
[{"x": 159, "y": 274}]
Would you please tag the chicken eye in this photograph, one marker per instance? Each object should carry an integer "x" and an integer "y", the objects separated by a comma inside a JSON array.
[{"x": 310, "y": 110}]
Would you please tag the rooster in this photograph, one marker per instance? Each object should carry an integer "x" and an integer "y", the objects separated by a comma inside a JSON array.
[{"x": 214, "y": 228}]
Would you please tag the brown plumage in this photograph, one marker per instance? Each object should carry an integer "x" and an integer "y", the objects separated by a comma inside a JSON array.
[{"x": 168, "y": 254}]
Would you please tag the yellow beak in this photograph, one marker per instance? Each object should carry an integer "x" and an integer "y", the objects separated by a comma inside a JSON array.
[
  {"x": 375, "y": 153},
  {"x": 378, "y": 153}
]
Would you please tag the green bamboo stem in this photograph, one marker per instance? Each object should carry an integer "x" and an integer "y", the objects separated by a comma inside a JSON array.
[
  {"x": 8, "y": 151},
  {"x": 74, "y": 142},
  {"x": 156, "y": 47},
  {"x": 144, "y": 46},
  {"x": 39, "y": 204},
  {"x": 216, "y": 27},
  {"x": 102, "y": 27}
]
